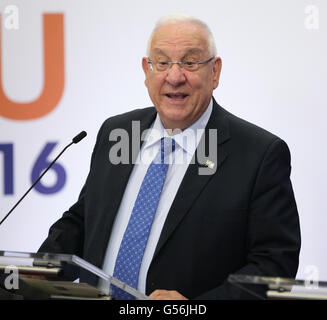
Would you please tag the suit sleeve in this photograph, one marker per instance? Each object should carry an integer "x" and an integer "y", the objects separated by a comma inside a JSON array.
[
  {"x": 67, "y": 234},
  {"x": 273, "y": 235}
]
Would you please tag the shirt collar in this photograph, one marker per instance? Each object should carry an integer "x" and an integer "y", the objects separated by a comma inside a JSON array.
[{"x": 188, "y": 139}]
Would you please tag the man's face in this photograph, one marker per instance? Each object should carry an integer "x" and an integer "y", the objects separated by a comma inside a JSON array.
[{"x": 181, "y": 96}]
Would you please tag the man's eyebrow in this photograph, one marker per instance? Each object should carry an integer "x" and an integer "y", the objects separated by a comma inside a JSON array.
[
  {"x": 159, "y": 51},
  {"x": 193, "y": 51}
]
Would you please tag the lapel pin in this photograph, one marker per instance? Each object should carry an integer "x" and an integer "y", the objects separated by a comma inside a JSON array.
[{"x": 209, "y": 164}]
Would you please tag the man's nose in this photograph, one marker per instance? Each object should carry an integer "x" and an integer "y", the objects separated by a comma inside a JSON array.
[{"x": 175, "y": 75}]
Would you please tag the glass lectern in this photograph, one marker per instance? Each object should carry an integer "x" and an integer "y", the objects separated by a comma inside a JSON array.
[
  {"x": 280, "y": 288},
  {"x": 56, "y": 276}
]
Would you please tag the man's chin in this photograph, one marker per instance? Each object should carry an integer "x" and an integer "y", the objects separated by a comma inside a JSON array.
[{"x": 175, "y": 121}]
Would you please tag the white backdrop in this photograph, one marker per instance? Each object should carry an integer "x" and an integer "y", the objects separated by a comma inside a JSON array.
[{"x": 274, "y": 75}]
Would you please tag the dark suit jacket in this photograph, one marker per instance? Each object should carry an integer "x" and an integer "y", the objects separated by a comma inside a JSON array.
[{"x": 242, "y": 219}]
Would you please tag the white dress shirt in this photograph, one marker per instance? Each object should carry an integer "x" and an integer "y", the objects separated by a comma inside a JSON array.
[{"x": 186, "y": 143}]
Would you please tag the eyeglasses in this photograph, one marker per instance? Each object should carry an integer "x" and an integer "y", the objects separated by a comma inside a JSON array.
[{"x": 187, "y": 65}]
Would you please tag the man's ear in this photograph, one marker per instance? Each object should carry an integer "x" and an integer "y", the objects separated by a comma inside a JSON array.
[
  {"x": 146, "y": 70},
  {"x": 216, "y": 71}
]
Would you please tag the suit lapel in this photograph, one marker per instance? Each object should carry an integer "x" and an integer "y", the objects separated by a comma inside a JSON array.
[{"x": 193, "y": 183}]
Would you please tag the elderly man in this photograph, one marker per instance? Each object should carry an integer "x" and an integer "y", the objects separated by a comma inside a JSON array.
[{"x": 167, "y": 229}]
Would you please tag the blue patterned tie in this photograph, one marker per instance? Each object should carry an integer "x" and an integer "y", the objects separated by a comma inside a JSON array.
[{"x": 132, "y": 247}]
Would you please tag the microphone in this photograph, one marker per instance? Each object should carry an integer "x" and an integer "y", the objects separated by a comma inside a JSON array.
[
  {"x": 79, "y": 137},
  {"x": 75, "y": 140}
]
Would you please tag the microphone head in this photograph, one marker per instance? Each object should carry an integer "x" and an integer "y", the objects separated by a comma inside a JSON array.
[{"x": 79, "y": 137}]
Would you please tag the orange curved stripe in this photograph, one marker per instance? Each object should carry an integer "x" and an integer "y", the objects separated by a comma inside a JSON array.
[{"x": 54, "y": 74}]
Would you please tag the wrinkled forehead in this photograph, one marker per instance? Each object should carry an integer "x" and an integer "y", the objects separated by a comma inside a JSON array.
[{"x": 181, "y": 38}]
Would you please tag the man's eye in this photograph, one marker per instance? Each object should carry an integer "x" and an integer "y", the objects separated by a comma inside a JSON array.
[
  {"x": 188, "y": 63},
  {"x": 163, "y": 63}
]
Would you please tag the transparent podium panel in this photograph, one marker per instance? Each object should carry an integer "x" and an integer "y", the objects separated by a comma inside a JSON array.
[
  {"x": 57, "y": 276},
  {"x": 280, "y": 288}
]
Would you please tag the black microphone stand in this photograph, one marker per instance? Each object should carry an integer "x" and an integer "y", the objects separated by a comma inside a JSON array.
[{"x": 76, "y": 139}]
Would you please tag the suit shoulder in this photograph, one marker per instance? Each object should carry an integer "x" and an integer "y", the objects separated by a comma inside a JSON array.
[
  {"x": 246, "y": 131},
  {"x": 125, "y": 118},
  {"x": 253, "y": 142}
]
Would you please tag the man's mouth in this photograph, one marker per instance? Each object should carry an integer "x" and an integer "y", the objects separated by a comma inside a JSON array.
[{"x": 176, "y": 96}]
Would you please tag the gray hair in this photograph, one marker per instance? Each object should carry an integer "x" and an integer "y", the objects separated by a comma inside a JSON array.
[{"x": 181, "y": 18}]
